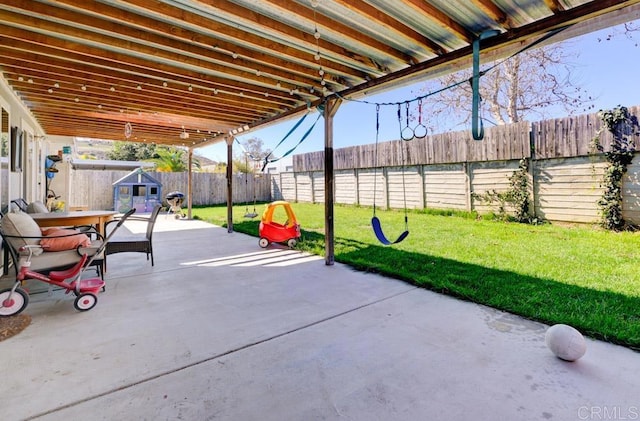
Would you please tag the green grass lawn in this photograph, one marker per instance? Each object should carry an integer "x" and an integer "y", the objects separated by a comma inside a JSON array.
[{"x": 581, "y": 276}]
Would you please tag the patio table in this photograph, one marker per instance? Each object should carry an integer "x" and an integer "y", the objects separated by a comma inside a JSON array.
[{"x": 98, "y": 218}]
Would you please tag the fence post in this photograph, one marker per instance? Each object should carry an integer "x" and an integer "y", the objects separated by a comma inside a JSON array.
[
  {"x": 356, "y": 176},
  {"x": 532, "y": 172},
  {"x": 467, "y": 172},
  {"x": 423, "y": 188}
]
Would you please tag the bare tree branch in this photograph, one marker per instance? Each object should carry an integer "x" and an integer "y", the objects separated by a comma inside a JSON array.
[
  {"x": 629, "y": 30},
  {"x": 526, "y": 86}
]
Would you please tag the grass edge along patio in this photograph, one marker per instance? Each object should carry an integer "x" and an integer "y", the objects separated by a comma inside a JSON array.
[{"x": 577, "y": 275}]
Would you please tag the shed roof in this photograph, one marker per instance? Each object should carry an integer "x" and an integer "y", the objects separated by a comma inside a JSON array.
[{"x": 137, "y": 176}]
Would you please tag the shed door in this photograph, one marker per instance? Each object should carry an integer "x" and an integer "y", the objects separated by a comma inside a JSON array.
[
  {"x": 153, "y": 197},
  {"x": 140, "y": 197},
  {"x": 123, "y": 198}
]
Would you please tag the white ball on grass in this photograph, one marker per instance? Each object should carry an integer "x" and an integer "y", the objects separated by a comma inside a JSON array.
[{"x": 565, "y": 342}]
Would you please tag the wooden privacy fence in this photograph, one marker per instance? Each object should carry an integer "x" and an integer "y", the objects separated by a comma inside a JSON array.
[
  {"x": 94, "y": 189},
  {"x": 446, "y": 171},
  {"x": 450, "y": 171}
]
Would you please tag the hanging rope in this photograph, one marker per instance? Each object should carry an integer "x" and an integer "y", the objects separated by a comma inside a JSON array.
[
  {"x": 375, "y": 221},
  {"x": 420, "y": 131},
  {"x": 248, "y": 214},
  {"x": 267, "y": 160},
  {"x": 477, "y": 128},
  {"x": 246, "y": 152}
]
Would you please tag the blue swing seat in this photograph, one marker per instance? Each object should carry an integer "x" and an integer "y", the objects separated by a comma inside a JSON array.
[{"x": 377, "y": 229}]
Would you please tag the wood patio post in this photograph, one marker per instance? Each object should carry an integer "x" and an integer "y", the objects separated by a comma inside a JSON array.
[
  {"x": 189, "y": 184},
  {"x": 229, "y": 141},
  {"x": 331, "y": 107}
]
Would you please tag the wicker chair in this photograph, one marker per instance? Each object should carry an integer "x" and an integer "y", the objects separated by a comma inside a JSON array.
[
  {"x": 18, "y": 229},
  {"x": 138, "y": 244},
  {"x": 20, "y": 204}
]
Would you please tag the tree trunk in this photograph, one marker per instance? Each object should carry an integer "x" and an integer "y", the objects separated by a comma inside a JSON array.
[{"x": 513, "y": 89}]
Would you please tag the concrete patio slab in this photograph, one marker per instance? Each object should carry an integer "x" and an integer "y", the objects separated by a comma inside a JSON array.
[{"x": 222, "y": 329}]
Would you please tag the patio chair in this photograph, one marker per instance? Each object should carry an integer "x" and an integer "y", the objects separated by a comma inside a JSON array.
[
  {"x": 37, "y": 207},
  {"x": 64, "y": 248},
  {"x": 134, "y": 243},
  {"x": 20, "y": 204}
]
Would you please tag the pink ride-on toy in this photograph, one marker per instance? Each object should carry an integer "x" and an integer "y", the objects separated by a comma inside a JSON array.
[
  {"x": 274, "y": 232},
  {"x": 14, "y": 300}
]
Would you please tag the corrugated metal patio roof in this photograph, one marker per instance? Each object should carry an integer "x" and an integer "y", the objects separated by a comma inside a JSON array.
[{"x": 208, "y": 68}]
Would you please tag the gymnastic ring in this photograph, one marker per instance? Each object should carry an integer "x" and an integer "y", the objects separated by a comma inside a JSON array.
[
  {"x": 407, "y": 133},
  {"x": 420, "y": 131}
]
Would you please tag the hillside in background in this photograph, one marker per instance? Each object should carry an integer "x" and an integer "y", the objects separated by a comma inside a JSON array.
[{"x": 99, "y": 149}]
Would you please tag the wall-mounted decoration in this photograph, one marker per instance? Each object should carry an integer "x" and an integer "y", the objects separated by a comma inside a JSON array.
[{"x": 16, "y": 149}]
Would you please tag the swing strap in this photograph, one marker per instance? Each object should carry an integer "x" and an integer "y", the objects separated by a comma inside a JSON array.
[
  {"x": 477, "y": 128},
  {"x": 375, "y": 221},
  {"x": 246, "y": 152},
  {"x": 267, "y": 161},
  {"x": 293, "y": 129}
]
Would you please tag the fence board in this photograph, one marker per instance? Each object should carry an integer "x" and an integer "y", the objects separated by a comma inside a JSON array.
[
  {"x": 401, "y": 184},
  {"x": 486, "y": 177},
  {"x": 367, "y": 179},
  {"x": 570, "y": 136},
  {"x": 346, "y": 187},
  {"x": 304, "y": 187},
  {"x": 441, "y": 171},
  {"x": 581, "y": 176},
  {"x": 93, "y": 188},
  {"x": 286, "y": 187},
  {"x": 500, "y": 143},
  {"x": 631, "y": 192},
  {"x": 276, "y": 187},
  {"x": 445, "y": 186},
  {"x": 318, "y": 182}
]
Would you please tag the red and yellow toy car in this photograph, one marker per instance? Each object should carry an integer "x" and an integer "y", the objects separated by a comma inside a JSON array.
[{"x": 279, "y": 232}]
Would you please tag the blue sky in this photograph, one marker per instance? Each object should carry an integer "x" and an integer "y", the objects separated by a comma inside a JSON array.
[{"x": 608, "y": 70}]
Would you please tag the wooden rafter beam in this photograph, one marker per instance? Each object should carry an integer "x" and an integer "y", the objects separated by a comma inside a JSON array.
[
  {"x": 198, "y": 35},
  {"x": 74, "y": 54},
  {"x": 143, "y": 102},
  {"x": 282, "y": 34},
  {"x": 152, "y": 48},
  {"x": 104, "y": 19},
  {"x": 160, "y": 122},
  {"x": 77, "y": 76},
  {"x": 324, "y": 23},
  {"x": 555, "y": 6}
]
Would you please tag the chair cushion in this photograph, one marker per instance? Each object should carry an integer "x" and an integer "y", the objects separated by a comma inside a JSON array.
[
  {"x": 37, "y": 207},
  {"x": 58, "y": 239},
  {"x": 55, "y": 259},
  {"x": 20, "y": 224},
  {"x": 91, "y": 249}
]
